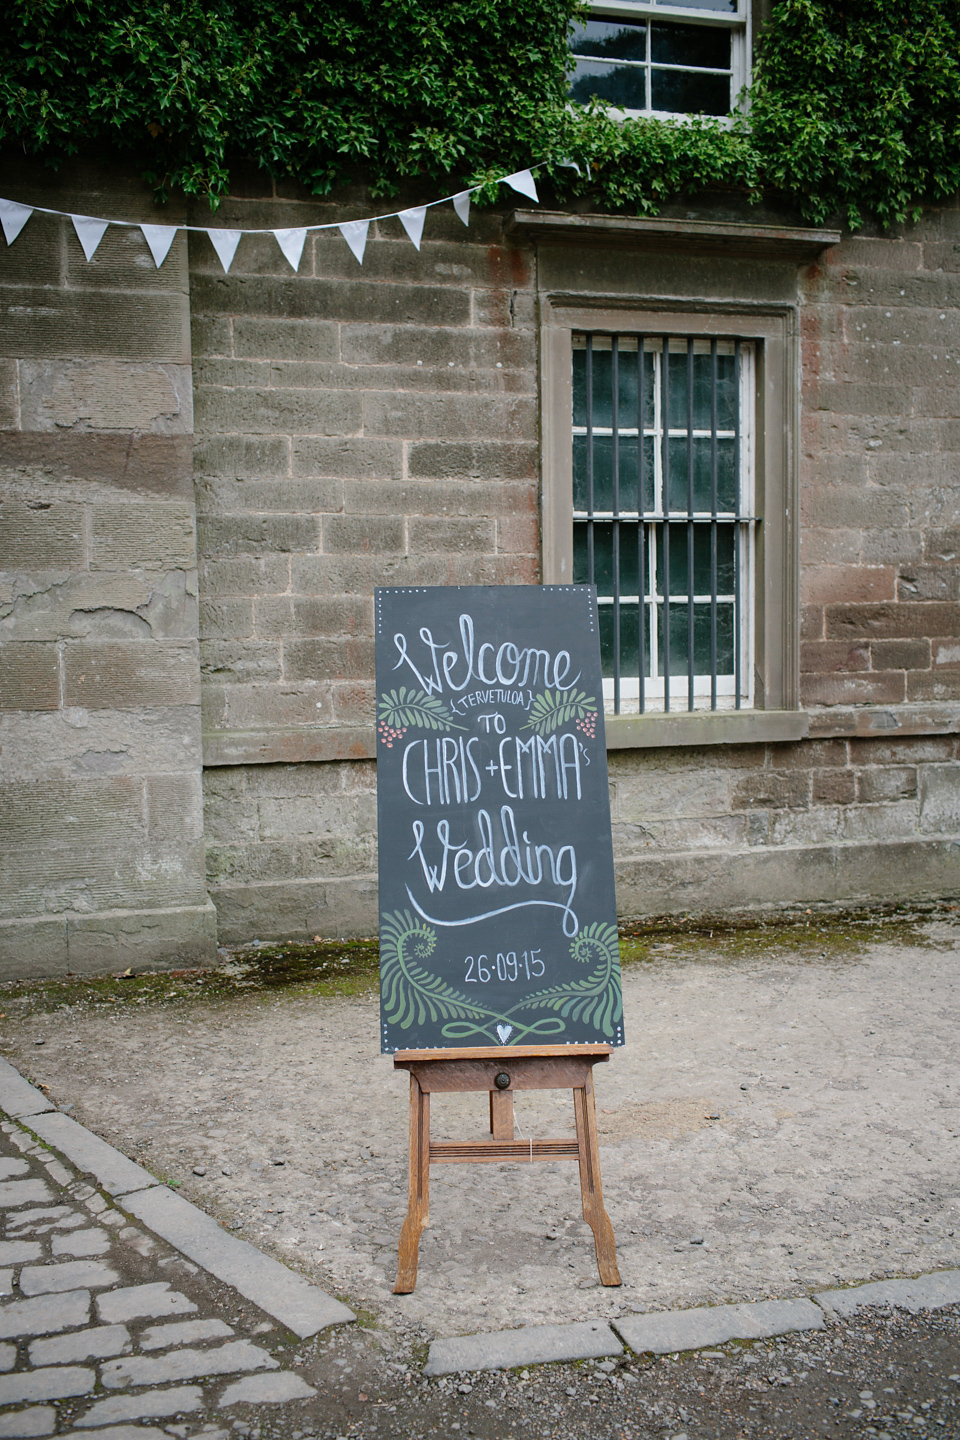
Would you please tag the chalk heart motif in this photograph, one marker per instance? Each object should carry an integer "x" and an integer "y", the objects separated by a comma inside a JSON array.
[{"x": 504, "y": 1031}]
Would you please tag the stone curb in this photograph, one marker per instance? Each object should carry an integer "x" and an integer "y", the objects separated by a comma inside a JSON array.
[
  {"x": 667, "y": 1332},
  {"x": 926, "y": 1292},
  {"x": 533, "y": 1345},
  {"x": 288, "y": 1297}
]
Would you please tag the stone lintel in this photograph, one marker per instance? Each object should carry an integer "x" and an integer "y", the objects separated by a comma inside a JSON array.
[{"x": 694, "y": 237}]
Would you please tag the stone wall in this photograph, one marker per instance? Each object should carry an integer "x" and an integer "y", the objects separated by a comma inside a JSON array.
[
  {"x": 356, "y": 426},
  {"x": 100, "y": 795},
  {"x": 374, "y": 426}
]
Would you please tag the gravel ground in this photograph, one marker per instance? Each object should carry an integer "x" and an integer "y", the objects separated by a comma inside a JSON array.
[
  {"x": 785, "y": 1117},
  {"x": 887, "y": 1375}
]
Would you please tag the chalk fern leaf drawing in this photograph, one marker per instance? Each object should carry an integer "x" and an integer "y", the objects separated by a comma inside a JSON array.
[
  {"x": 402, "y": 708},
  {"x": 412, "y": 993},
  {"x": 551, "y": 709}
]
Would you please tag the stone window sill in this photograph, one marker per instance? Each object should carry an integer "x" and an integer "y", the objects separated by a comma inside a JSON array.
[{"x": 319, "y": 743}]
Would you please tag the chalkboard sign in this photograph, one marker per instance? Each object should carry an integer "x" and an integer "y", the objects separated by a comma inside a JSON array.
[{"x": 497, "y": 906}]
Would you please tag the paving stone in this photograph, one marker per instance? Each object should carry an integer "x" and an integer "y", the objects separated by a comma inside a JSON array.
[
  {"x": 302, "y": 1307},
  {"x": 926, "y": 1292},
  {"x": 185, "y": 1365},
  {"x": 11, "y": 1166},
  {"x": 159, "y": 1337},
  {"x": 6, "y": 1282},
  {"x": 8, "y": 1357},
  {"x": 58, "y": 1173},
  {"x": 148, "y": 1301},
  {"x": 82, "y": 1242},
  {"x": 91, "y": 1155},
  {"x": 17, "y": 1097},
  {"x": 142, "y": 1407},
  {"x": 22, "y": 1192},
  {"x": 533, "y": 1345},
  {"x": 52, "y": 1384},
  {"x": 130, "y": 1432},
  {"x": 38, "y": 1222},
  {"x": 267, "y": 1390},
  {"x": 669, "y": 1331},
  {"x": 43, "y": 1279},
  {"x": 50, "y": 1313},
  {"x": 21, "y": 1424},
  {"x": 95, "y": 1344},
  {"x": 19, "y": 1252}
]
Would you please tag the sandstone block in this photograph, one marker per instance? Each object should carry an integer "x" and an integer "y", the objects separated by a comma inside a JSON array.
[
  {"x": 41, "y": 534},
  {"x": 29, "y": 677},
  {"x": 130, "y": 674}
]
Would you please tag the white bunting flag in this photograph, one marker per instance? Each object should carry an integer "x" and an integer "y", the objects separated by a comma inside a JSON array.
[
  {"x": 461, "y": 203},
  {"x": 225, "y": 243},
  {"x": 89, "y": 233},
  {"x": 13, "y": 217},
  {"x": 412, "y": 222},
  {"x": 355, "y": 234},
  {"x": 159, "y": 238},
  {"x": 291, "y": 242},
  {"x": 522, "y": 181}
]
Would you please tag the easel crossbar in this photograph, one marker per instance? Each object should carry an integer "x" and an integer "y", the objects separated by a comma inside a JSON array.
[{"x": 450, "y": 1152}]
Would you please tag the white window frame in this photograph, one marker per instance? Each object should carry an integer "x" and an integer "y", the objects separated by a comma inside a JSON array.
[{"x": 739, "y": 24}]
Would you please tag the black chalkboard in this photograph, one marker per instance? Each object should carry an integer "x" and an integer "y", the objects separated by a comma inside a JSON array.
[{"x": 497, "y": 906}]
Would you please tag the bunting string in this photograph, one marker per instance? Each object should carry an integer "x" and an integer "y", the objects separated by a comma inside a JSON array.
[{"x": 90, "y": 230}]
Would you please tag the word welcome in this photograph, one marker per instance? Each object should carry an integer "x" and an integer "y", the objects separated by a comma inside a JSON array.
[{"x": 511, "y": 666}]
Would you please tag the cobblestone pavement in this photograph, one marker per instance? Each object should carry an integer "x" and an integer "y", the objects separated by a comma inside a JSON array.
[
  {"x": 106, "y": 1326},
  {"x": 779, "y": 1122}
]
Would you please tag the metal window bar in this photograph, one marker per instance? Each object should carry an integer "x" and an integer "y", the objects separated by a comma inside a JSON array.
[{"x": 653, "y": 521}]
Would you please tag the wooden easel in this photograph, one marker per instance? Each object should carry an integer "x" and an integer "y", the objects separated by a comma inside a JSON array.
[{"x": 501, "y": 1071}]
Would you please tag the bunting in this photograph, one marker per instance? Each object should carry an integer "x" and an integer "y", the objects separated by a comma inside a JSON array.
[{"x": 90, "y": 230}]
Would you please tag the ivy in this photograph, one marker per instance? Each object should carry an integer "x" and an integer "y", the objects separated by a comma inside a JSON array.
[{"x": 854, "y": 109}]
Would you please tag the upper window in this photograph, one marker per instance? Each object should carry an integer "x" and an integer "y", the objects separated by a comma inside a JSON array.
[{"x": 658, "y": 59}]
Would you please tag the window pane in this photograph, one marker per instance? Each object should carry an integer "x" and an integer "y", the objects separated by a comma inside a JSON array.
[
  {"x": 624, "y": 86},
  {"x": 729, "y": 7},
  {"x": 701, "y": 559},
  {"x": 603, "y": 473},
  {"x": 603, "y": 557},
  {"x": 702, "y": 381},
  {"x": 685, "y": 92},
  {"x": 701, "y": 639},
  {"x": 629, "y": 642},
  {"x": 689, "y": 45},
  {"x": 677, "y": 487},
  {"x": 611, "y": 39}
]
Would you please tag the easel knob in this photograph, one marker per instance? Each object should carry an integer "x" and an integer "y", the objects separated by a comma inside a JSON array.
[{"x": 502, "y": 1081}]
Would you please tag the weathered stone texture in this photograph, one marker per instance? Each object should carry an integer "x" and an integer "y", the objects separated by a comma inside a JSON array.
[
  {"x": 100, "y": 805},
  {"x": 354, "y": 427},
  {"x": 880, "y": 466}
]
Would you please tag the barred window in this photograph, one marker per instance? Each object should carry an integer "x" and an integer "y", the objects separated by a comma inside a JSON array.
[{"x": 663, "y": 522}]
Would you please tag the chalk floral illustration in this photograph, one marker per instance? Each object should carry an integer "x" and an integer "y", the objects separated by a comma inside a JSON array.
[
  {"x": 553, "y": 708},
  {"x": 400, "y": 710},
  {"x": 411, "y": 994}
]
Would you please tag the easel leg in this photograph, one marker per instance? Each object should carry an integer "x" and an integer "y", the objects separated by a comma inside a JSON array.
[
  {"x": 418, "y": 1204},
  {"x": 501, "y": 1114},
  {"x": 590, "y": 1187}
]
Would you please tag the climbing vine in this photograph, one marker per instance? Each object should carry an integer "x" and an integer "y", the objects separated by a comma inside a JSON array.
[{"x": 854, "y": 109}]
